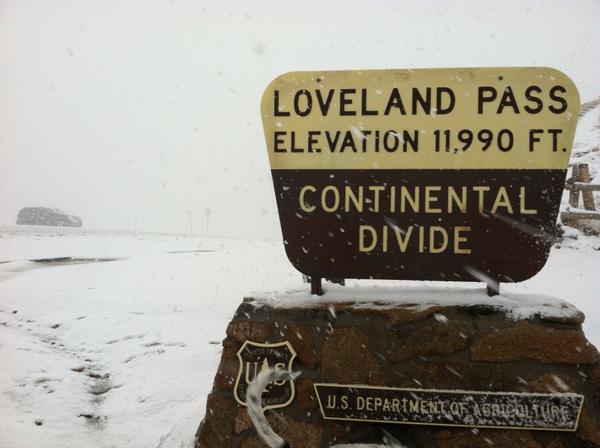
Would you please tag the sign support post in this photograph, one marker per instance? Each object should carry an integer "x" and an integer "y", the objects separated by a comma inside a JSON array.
[{"x": 315, "y": 286}]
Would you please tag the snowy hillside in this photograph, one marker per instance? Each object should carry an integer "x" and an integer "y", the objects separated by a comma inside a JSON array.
[
  {"x": 586, "y": 148},
  {"x": 118, "y": 346},
  {"x": 587, "y": 139}
]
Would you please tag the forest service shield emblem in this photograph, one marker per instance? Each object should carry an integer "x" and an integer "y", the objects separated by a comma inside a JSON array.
[{"x": 255, "y": 357}]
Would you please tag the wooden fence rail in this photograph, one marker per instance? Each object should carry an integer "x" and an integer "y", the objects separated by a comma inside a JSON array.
[
  {"x": 582, "y": 187},
  {"x": 580, "y": 184}
]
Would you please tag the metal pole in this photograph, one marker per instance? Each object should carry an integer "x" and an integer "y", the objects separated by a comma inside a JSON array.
[{"x": 315, "y": 286}]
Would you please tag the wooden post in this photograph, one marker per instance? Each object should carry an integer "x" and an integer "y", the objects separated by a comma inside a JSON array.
[
  {"x": 315, "y": 286},
  {"x": 588, "y": 196},
  {"x": 574, "y": 193}
]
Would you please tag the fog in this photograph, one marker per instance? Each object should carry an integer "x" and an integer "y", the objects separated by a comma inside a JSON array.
[{"x": 141, "y": 115}]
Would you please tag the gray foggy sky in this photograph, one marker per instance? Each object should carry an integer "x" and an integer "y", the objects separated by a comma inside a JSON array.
[{"x": 125, "y": 109}]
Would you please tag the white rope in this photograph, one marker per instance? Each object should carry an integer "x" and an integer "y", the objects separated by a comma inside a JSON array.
[
  {"x": 255, "y": 409},
  {"x": 257, "y": 413}
]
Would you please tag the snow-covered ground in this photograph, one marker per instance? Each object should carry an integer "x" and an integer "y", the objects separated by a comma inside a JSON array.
[
  {"x": 122, "y": 353},
  {"x": 586, "y": 148},
  {"x": 118, "y": 348}
]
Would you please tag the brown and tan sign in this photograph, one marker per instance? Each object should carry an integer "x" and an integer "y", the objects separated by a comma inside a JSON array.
[
  {"x": 473, "y": 409},
  {"x": 430, "y": 174}
]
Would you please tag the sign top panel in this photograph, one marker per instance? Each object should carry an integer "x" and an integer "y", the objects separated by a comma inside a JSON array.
[{"x": 391, "y": 119}]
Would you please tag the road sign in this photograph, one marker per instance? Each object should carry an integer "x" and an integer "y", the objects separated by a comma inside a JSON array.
[{"x": 429, "y": 174}]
